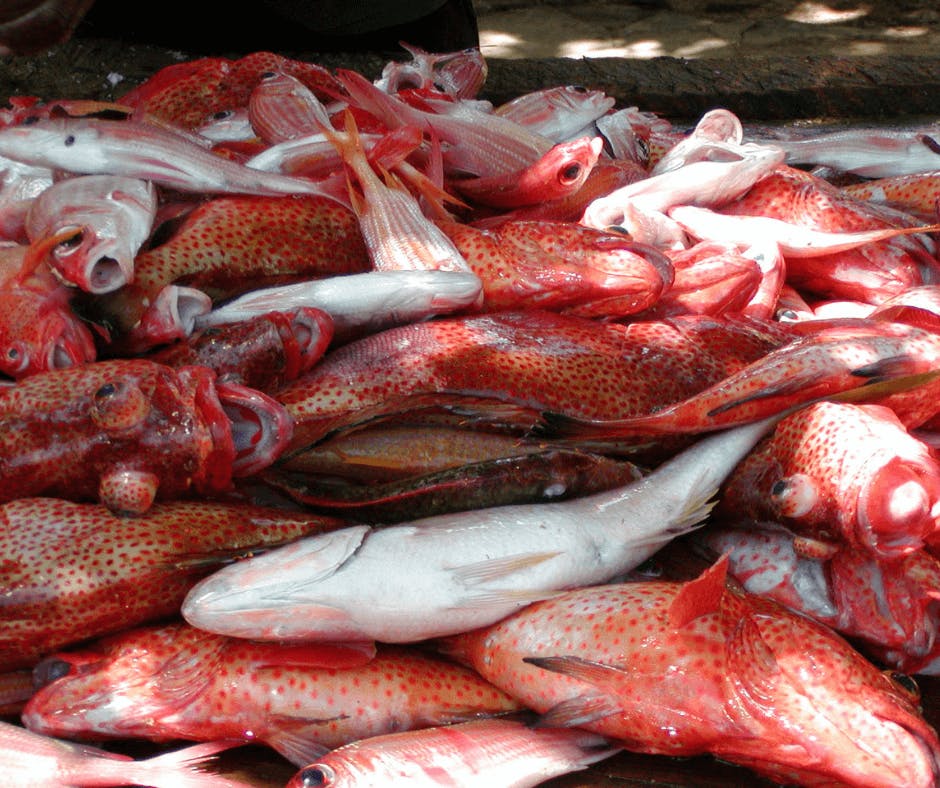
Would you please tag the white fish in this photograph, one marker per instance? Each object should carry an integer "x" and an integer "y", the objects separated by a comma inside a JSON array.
[
  {"x": 450, "y": 573},
  {"x": 356, "y": 302},
  {"x": 113, "y": 215},
  {"x": 32, "y": 760},
  {"x": 642, "y": 207},
  {"x": 92, "y": 146}
]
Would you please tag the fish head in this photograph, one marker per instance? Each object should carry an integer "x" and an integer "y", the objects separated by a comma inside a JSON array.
[
  {"x": 120, "y": 685},
  {"x": 40, "y": 332},
  {"x": 97, "y": 224},
  {"x": 824, "y": 712},
  {"x": 70, "y": 144},
  {"x": 282, "y": 594}
]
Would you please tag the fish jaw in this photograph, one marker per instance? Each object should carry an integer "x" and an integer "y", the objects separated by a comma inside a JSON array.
[
  {"x": 244, "y": 603},
  {"x": 260, "y": 427}
]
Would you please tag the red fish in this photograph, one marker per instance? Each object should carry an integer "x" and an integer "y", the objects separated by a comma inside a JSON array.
[
  {"x": 39, "y": 330},
  {"x": 831, "y": 359},
  {"x": 76, "y": 570},
  {"x": 125, "y": 430},
  {"x": 560, "y": 172},
  {"x": 178, "y": 682},
  {"x": 887, "y": 607},
  {"x": 686, "y": 668},
  {"x": 230, "y": 244},
  {"x": 262, "y": 352},
  {"x": 517, "y": 365},
  {"x": 185, "y": 94},
  {"x": 845, "y": 474},
  {"x": 562, "y": 266},
  {"x": 31, "y": 760}
]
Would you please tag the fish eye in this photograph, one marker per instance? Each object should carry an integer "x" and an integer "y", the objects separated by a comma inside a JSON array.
[
  {"x": 905, "y": 683},
  {"x": 16, "y": 358},
  {"x": 579, "y": 89},
  {"x": 779, "y": 488},
  {"x": 119, "y": 406},
  {"x": 222, "y": 114},
  {"x": 69, "y": 140},
  {"x": 316, "y": 776},
  {"x": 268, "y": 75},
  {"x": 570, "y": 173}
]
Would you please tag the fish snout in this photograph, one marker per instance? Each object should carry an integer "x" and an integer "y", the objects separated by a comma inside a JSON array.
[{"x": 896, "y": 509}]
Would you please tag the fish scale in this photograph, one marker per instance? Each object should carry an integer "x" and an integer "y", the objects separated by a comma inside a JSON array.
[{"x": 841, "y": 473}]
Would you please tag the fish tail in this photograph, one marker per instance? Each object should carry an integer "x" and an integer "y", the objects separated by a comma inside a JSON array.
[{"x": 180, "y": 768}]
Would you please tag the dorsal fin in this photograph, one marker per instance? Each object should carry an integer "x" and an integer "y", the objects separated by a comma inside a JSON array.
[{"x": 700, "y": 596}]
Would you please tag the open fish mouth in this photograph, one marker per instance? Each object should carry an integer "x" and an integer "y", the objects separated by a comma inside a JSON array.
[{"x": 261, "y": 427}]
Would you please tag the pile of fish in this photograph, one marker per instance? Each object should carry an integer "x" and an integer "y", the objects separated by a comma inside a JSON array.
[{"x": 417, "y": 438}]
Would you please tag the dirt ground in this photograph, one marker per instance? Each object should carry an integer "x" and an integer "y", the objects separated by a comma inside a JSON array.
[{"x": 706, "y": 29}]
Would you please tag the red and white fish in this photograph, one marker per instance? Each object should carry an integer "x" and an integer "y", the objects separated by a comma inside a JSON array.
[
  {"x": 700, "y": 667},
  {"x": 76, "y": 570},
  {"x": 504, "y": 752},
  {"x": 112, "y": 217}
]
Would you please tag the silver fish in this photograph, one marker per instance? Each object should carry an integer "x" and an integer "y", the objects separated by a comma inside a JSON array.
[{"x": 451, "y": 573}]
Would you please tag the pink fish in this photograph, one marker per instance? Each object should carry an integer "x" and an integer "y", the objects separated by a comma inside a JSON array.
[
  {"x": 887, "y": 607},
  {"x": 842, "y": 473},
  {"x": 31, "y": 760},
  {"x": 560, "y": 172},
  {"x": 178, "y": 682},
  {"x": 700, "y": 667},
  {"x": 560, "y": 113},
  {"x": 503, "y": 752}
]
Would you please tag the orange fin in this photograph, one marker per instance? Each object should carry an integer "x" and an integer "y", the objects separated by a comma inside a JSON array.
[{"x": 701, "y": 596}]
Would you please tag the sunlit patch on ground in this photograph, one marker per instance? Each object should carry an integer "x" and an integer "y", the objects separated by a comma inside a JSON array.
[
  {"x": 705, "y": 28},
  {"x": 821, "y": 14}
]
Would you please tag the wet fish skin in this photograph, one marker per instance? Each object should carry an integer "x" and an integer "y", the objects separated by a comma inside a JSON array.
[{"x": 76, "y": 570}]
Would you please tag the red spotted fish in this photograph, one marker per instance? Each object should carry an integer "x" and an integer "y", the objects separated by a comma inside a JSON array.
[
  {"x": 178, "y": 682},
  {"x": 700, "y": 667}
]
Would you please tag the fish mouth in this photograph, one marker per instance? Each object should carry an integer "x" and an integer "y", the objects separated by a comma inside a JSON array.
[
  {"x": 261, "y": 427},
  {"x": 312, "y": 329},
  {"x": 896, "y": 509},
  {"x": 69, "y": 344},
  {"x": 84, "y": 260}
]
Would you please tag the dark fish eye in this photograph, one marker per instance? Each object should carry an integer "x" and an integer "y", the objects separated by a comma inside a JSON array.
[
  {"x": 579, "y": 89},
  {"x": 107, "y": 390},
  {"x": 268, "y": 75},
  {"x": 931, "y": 143},
  {"x": 779, "y": 488},
  {"x": 905, "y": 682},
  {"x": 571, "y": 172},
  {"x": 30, "y": 120},
  {"x": 69, "y": 140},
  {"x": 316, "y": 776},
  {"x": 222, "y": 114}
]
